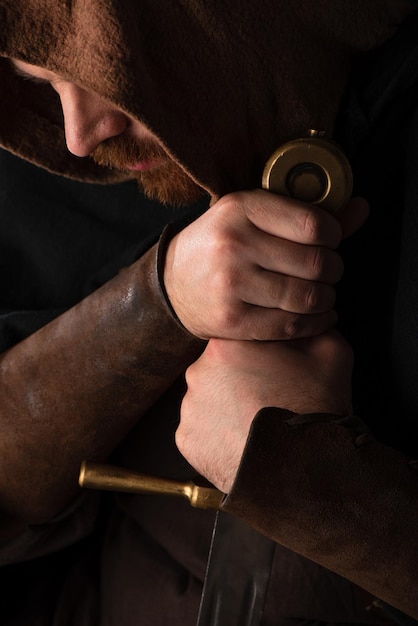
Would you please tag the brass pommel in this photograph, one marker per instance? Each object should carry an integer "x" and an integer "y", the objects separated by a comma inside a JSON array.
[{"x": 311, "y": 169}]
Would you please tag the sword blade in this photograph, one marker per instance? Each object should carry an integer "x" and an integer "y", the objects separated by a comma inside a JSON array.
[{"x": 237, "y": 574}]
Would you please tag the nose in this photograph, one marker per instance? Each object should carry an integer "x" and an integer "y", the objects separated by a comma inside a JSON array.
[{"x": 88, "y": 119}]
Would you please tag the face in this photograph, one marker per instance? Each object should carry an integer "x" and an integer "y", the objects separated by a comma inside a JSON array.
[{"x": 97, "y": 129}]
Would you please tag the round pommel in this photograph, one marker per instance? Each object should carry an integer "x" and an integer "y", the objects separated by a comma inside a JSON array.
[{"x": 311, "y": 169}]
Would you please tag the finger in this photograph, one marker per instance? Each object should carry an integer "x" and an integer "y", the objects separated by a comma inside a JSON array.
[
  {"x": 295, "y": 295},
  {"x": 294, "y": 259},
  {"x": 284, "y": 217},
  {"x": 294, "y": 220},
  {"x": 256, "y": 323},
  {"x": 353, "y": 216}
]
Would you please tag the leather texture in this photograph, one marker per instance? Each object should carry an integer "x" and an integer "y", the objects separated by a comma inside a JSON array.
[
  {"x": 75, "y": 388},
  {"x": 334, "y": 485}
]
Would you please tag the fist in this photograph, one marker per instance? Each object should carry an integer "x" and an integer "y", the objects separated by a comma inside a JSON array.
[{"x": 233, "y": 380}]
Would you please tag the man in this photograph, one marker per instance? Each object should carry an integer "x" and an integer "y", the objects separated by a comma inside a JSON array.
[
  {"x": 233, "y": 381},
  {"x": 80, "y": 385}
]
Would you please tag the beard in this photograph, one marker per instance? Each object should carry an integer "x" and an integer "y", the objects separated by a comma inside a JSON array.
[
  {"x": 169, "y": 184},
  {"x": 166, "y": 182}
]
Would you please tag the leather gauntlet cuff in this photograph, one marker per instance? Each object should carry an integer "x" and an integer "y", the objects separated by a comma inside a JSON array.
[
  {"x": 323, "y": 487},
  {"x": 73, "y": 389},
  {"x": 170, "y": 230}
]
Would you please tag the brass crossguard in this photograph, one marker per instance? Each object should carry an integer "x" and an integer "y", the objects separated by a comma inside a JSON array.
[{"x": 112, "y": 478}]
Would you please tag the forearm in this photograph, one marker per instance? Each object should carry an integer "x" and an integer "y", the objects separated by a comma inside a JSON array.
[
  {"x": 75, "y": 388},
  {"x": 335, "y": 496}
]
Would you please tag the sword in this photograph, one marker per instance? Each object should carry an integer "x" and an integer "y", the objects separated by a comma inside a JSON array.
[
  {"x": 237, "y": 574},
  {"x": 312, "y": 169},
  {"x": 233, "y": 594}
]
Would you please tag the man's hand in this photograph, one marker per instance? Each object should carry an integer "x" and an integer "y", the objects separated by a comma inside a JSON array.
[
  {"x": 258, "y": 266},
  {"x": 232, "y": 380}
]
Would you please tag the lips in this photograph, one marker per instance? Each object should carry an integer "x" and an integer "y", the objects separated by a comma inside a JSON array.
[{"x": 144, "y": 166}]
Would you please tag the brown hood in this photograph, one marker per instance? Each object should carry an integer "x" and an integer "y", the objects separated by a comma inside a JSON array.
[{"x": 222, "y": 84}]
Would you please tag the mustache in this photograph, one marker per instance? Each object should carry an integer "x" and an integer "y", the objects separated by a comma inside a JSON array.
[{"x": 121, "y": 152}]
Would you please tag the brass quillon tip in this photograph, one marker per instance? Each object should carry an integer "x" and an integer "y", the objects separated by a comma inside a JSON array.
[{"x": 112, "y": 478}]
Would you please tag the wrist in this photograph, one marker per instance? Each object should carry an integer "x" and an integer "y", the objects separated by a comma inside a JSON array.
[{"x": 169, "y": 232}]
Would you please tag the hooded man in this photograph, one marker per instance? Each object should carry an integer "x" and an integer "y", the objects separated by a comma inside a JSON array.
[{"x": 192, "y": 98}]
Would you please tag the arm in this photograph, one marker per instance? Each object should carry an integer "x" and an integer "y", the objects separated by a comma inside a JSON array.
[
  {"x": 258, "y": 266},
  {"x": 75, "y": 388},
  {"x": 307, "y": 475}
]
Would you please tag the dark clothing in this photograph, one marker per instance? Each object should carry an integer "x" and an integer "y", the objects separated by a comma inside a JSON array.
[
  {"x": 138, "y": 548},
  {"x": 47, "y": 222},
  {"x": 376, "y": 297},
  {"x": 124, "y": 559},
  {"x": 61, "y": 240}
]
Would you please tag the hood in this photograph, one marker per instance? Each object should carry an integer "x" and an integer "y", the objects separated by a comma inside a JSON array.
[{"x": 221, "y": 84}]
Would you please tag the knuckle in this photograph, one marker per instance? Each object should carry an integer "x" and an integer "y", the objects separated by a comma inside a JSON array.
[
  {"x": 228, "y": 320},
  {"x": 319, "y": 298},
  {"x": 234, "y": 202},
  {"x": 293, "y": 327},
  {"x": 179, "y": 438},
  {"x": 214, "y": 350},
  {"x": 226, "y": 247},
  {"x": 317, "y": 263},
  {"x": 189, "y": 378},
  {"x": 297, "y": 326},
  {"x": 325, "y": 265},
  {"x": 226, "y": 281},
  {"x": 309, "y": 223},
  {"x": 312, "y": 298},
  {"x": 320, "y": 227}
]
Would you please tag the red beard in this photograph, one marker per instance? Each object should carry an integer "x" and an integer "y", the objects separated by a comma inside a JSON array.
[{"x": 166, "y": 182}]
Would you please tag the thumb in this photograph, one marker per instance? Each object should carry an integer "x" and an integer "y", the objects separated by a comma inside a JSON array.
[{"x": 353, "y": 216}]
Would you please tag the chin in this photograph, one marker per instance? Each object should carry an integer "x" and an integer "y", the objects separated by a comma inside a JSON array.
[{"x": 169, "y": 185}]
